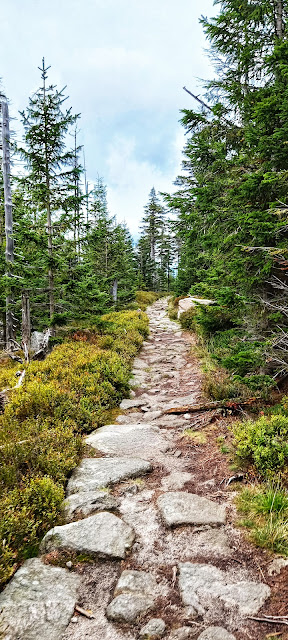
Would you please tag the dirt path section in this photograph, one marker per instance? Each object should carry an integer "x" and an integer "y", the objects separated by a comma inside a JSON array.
[{"x": 159, "y": 553}]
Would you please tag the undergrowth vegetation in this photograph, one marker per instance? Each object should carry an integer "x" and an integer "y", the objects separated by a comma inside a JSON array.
[
  {"x": 240, "y": 359},
  {"x": 234, "y": 366},
  {"x": 145, "y": 298},
  {"x": 70, "y": 392},
  {"x": 265, "y": 514}
]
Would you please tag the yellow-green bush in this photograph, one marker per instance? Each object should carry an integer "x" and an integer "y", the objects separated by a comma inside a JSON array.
[
  {"x": 145, "y": 298},
  {"x": 40, "y": 431}
]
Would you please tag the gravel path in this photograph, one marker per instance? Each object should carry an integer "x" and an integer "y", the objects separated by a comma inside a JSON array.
[{"x": 161, "y": 554}]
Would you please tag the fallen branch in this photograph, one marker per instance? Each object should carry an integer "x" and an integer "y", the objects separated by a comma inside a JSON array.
[
  {"x": 271, "y": 619},
  {"x": 3, "y": 398},
  {"x": 85, "y": 612},
  {"x": 233, "y": 405}
]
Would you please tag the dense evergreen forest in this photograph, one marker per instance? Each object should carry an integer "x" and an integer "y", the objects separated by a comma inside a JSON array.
[
  {"x": 232, "y": 195},
  {"x": 67, "y": 264}
]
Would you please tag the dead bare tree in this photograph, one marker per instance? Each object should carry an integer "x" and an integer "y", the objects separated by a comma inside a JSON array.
[{"x": 9, "y": 251}]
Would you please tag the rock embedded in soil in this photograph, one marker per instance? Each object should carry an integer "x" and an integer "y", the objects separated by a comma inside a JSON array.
[
  {"x": 136, "y": 582},
  {"x": 153, "y": 630},
  {"x": 201, "y": 585},
  {"x": 176, "y": 479},
  {"x": 128, "y": 607},
  {"x": 276, "y": 565},
  {"x": 135, "y": 595},
  {"x": 182, "y": 633},
  {"x": 131, "y": 403},
  {"x": 87, "y": 502},
  {"x": 38, "y": 602},
  {"x": 178, "y": 507},
  {"x": 102, "y": 535},
  {"x": 216, "y": 633},
  {"x": 129, "y": 439},
  {"x": 94, "y": 473}
]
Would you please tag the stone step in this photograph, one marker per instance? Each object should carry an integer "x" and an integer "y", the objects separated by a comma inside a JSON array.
[
  {"x": 95, "y": 473},
  {"x": 104, "y": 535},
  {"x": 129, "y": 439},
  {"x": 179, "y": 507}
]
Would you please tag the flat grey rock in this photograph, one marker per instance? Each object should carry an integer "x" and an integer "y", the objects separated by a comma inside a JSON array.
[
  {"x": 129, "y": 439},
  {"x": 38, "y": 602},
  {"x": 139, "y": 364},
  {"x": 88, "y": 502},
  {"x": 201, "y": 584},
  {"x": 128, "y": 607},
  {"x": 178, "y": 507},
  {"x": 216, "y": 633},
  {"x": 153, "y": 630},
  {"x": 182, "y": 633},
  {"x": 94, "y": 473},
  {"x": 134, "y": 595},
  {"x": 136, "y": 582},
  {"x": 176, "y": 480},
  {"x": 131, "y": 403},
  {"x": 102, "y": 535}
]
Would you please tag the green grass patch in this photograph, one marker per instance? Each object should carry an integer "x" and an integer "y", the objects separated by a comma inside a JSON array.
[
  {"x": 71, "y": 392},
  {"x": 265, "y": 514}
]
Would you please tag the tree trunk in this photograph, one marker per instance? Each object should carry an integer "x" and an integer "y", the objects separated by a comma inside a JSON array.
[
  {"x": 26, "y": 324},
  {"x": 115, "y": 290},
  {"x": 48, "y": 206},
  {"x": 279, "y": 18},
  {"x": 9, "y": 251}
]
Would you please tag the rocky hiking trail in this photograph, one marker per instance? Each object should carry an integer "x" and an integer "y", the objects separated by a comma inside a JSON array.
[{"x": 153, "y": 524}]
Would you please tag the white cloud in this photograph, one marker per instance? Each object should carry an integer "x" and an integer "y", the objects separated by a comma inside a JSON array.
[
  {"x": 131, "y": 180},
  {"x": 125, "y": 63}
]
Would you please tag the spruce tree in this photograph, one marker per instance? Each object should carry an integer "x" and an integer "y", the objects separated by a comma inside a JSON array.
[{"x": 51, "y": 175}]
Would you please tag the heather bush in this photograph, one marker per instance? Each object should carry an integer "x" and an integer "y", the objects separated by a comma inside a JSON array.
[{"x": 69, "y": 393}]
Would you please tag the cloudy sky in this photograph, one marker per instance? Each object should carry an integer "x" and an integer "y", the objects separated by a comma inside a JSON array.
[{"x": 124, "y": 63}]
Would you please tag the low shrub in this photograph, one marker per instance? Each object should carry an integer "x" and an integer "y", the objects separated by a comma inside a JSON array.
[
  {"x": 213, "y": 318},
  {"x": 26, "y": 513},
  {"x": 219, "y": 385},
  {"x": 263, "y": 442},
  {"x": 69, "y": 393},
  {"x": 188, "y": 319},
  {"x": 145, "y": 298}
]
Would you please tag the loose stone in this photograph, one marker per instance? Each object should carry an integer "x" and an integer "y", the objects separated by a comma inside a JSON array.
[
  {"x": 128, "y": 607},
  {"x": 102, "y": 535},
  {"x": 216, "y": 633},
  {"x": 38, "y": 602},
  {"x": 182, "y": 633},
  {"x": 135, "y": 595},
  {"x": 130, "y": 403},
  {"x": 177, "y": 507},
  {"x": 87, "y": 502},
  {"x": 153, "y": 630},
  {"x": 177, "y": 479}
]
